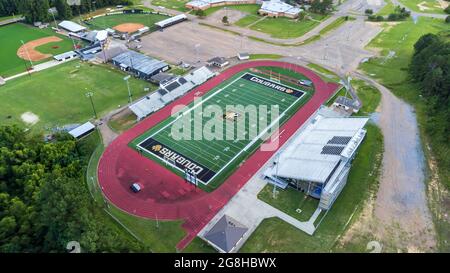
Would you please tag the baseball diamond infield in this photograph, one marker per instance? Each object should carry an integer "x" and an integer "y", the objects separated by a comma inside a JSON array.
[
  {"x": 28, "y": 51},
  {"x": 166, "y": 196},
  {"x": 128, "y": 27}
]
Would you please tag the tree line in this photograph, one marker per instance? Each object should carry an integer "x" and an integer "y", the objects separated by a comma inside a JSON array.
[
  {"x": 430, "y": 69},
  {"x": 38, "y": 10},
  {"x": 44, "y": 200}
]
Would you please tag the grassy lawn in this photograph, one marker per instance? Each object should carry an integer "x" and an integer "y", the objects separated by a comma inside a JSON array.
[
  {"x": 289, "y": 200},
  {"x": 248, "y": 8},
  {"x": 4, "y": 18},
  {"x": 199, "y": 246},
  {"x": 340, "y": 93},
  {"x": 424, "y": 6},
  {"x": 264, "y": 56},
  {"x": 10, "y": 41},
  {"x": 275, "y": 235},
  {"x": 172, "y": 4},
  {"x": 161, "y": 236},
  {"x": 247, "y": 20},
  {"x": 387, "y": 9},
  {"x": 120, "y": 124},
  {"x": 325, "y": 74},
  {"x": 284, "y": 28},
  {"x": 369, "y": 95},
  {"x": 111, "y": 21},
  {"x": 334, "y": 25},
  {"x": 393, "y": 73},
  {"x": 57, "y": 95}
]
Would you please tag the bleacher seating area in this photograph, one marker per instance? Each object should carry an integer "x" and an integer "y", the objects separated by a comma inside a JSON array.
[{"x": 169, "y": 91}]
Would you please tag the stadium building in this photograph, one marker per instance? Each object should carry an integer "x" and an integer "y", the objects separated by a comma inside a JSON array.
[
  {"x": 318, "y": 159},
  {"x": 71, "y": 26},
  {"x": 206, "y": 4},
  {"x": 170, "y": 89},
  {"x": 272, "y": 8},
  {"x": 278, "y": 8},
  {"x": 138, "y": 64}
]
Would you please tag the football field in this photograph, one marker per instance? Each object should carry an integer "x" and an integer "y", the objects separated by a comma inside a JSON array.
[{"x": 216, "y": 142}]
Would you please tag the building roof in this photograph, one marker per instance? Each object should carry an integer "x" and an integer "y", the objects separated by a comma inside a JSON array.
[
  {"x": 205, "y": 3},
  {"x": 278, "y": 6},
  {"x": 314, "y": 154},
  {"x": 82, "y": 129},
  {"x": 347, "y": 102},
  {"x": 218, "y": 60},
  {"x": 139, "y": 62},
  {"x": 226, "y": 233},
  {"x": 159, "y": 98},
  {"x": 64, "y": 55},
  {"x": 171, "y": 20},
  {"x": 71, "y": 26},
  {"x": 161, "y": 77}
]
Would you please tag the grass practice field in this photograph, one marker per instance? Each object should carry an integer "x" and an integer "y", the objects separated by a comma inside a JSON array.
[
  {"x": 213, "y": 160},
  {"x": 111, "y": 21},
  {"x": 10, "y": 41},
  {"x": 57, "y": 95},
  {"x": 283, "y": 28},
  {"x": 425, "y": 6},
  {"x": 171, "y": 4}
]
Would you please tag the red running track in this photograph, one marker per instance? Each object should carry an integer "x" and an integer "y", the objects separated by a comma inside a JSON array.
[{"x": 165, "y": 195}]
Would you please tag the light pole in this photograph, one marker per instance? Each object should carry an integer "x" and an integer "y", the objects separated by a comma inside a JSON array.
[
  {"x": 54, "y": 19},
  {"x": 197, "y": 46},
  {"x": 130, "y": 99},
  {"x": 28, "y": 55},
  {"x": 89, "y": 95}
]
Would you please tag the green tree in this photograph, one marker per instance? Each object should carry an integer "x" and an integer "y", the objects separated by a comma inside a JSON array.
[{"x": 64, "y": 11}]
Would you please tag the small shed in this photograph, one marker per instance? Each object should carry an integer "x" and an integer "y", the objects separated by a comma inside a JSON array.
[
  {"x": 225, "y": 234},
  {"x": 243, "y": 56},
  {"x": 218, "y": 62}
]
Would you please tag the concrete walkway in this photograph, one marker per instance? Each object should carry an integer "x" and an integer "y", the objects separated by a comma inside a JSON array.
[
  {"x": 39, "y": 67},
  {"x": 247, "y": 209}
]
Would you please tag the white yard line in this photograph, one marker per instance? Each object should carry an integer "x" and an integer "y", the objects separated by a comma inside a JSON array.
[{"x": 251, "y": 143}]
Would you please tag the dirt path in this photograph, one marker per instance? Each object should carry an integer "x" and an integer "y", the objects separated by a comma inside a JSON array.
[
  {"x": 28, "y": 51},
  {"x": 400, "y": 208}
]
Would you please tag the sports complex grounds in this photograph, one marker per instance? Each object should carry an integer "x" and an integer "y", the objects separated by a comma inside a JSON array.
[{"x": 259, "y": 100}]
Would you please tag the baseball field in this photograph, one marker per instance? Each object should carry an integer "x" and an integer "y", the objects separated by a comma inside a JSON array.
[
  {"x": 43, "y": 41},
  {"x": 56, "y": 96},
  {"x": 115, "y": 21}
]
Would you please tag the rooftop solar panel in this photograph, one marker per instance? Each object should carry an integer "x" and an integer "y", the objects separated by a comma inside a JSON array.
[
  {"x": 172, "y": 86},
  {"x": 182, "y": 80},
  {"x": 340, "y": 140},
  {"x": 162, "y": 92},
  {"x": 332, "y": 150}
]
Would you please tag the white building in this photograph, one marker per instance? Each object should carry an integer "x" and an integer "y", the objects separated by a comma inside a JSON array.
[
  {"x": 317, "y": 161},
  {"x": 273, "y": 8},
  {"x": 71, "y": 26},
  {"x": 278, "y": 8}
]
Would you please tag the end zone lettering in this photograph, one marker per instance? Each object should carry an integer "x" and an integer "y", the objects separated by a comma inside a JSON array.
[
  {"x": 172, "y": 157},
  {"x": 275, "y": 86}
]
